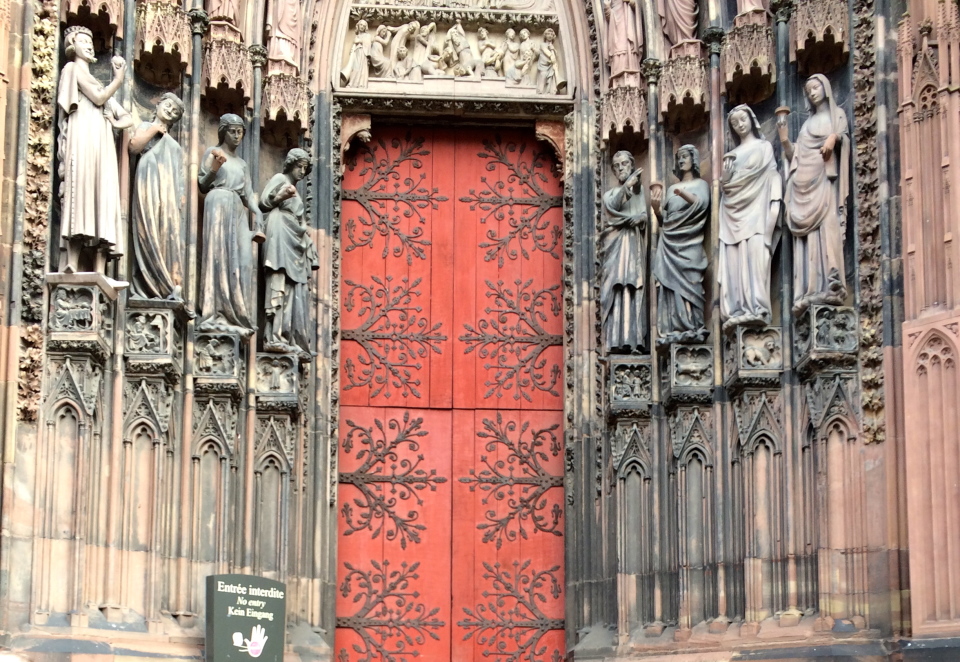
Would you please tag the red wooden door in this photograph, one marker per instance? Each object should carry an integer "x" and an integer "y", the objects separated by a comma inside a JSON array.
[{"x": 451, "y": 461}]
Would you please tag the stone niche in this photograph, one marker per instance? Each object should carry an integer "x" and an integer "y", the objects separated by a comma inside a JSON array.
[{"x": 455, "y": 48}]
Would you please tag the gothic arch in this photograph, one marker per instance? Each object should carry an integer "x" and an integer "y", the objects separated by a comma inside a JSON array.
[{"x": 933, "y": 347}]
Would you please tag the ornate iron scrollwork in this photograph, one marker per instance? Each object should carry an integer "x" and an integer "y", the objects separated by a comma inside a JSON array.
[{"x": 385, "y": 479}]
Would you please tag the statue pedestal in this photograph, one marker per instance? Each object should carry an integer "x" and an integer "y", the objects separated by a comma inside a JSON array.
[
  {"x": 629, "y": 384},
  {"x": 752, "y": 356},
  {"x": 81, "y": 313},
  {"x": 687, "y": 374},
  {"x": 153, "y": 338},
  {"x": 825, "y": 336}
]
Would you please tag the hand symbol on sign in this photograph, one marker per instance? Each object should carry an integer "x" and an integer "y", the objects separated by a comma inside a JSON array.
[{"x": 255, "y": 644}]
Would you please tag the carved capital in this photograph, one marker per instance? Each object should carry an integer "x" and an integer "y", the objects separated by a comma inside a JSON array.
[
  {"x": 199, "y": 21},
  {"x": 713, "y": 37},
  {"x": 651, "y": 68},
  {"x": 258, "y": 55},
  {"x": 782, "y": 10}
]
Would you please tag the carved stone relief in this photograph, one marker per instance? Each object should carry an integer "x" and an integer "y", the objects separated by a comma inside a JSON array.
[
  {"x": 826, "y": 334},
  {"x": 150, "y": 399},
  {"x": 687, "y": 373},
  {"x": 692, "y": 426},
  {"x": 830, "y": 396},
  {"x": 759, "y": 413},
  {"x": 630, "y": 384},
  {"x": 218, "y": 355},
  {"x": 217, "y": 418},
  {"x": 74, "y": 378},
  {"x": 631, "y": 440},
  {"x": 624, "y": 109},
  {"x": 753, "y": 356},
  {"x": 81, "y": 314},
  {"x": 278, "y": 379},
  {"x": 434, "y": 50}
]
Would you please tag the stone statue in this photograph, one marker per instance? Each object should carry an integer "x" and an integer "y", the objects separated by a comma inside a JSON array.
[
  {"x": 465, "y": 58},
  {"x": 283, "y": 37},
  {"x": 405, "y": 69},
  {"x": 158, "y": 203},
  {"x": 749, "y": 217},
  {"x": 87, "y": 151},
  {"x": 510, "y": 56},
  {"x": 426, "y": 55},
  {"x": 624, "y": 42},
  {"x": 380, "y": 64},
  {"x": 679, "y": 19},
  {"x": 357, "y": 71},
  {"x": 624, "y": 245},
  {"x": 527, "y": 66},
  {"x": 680, "y": 260},
  {"x": 818, "y": 184},
  {"x": 227, "y": 11},
  {"x": 401, "y": 37},
  {"x": 547, "y": 64},
  {"x": 490, "y": 55},
  {"x": 226, "y": 292},
  {"x": 289, "y": 257},
  {"x": 745, "y": 6}
]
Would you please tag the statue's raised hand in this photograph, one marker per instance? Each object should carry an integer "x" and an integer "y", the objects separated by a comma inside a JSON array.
[{"x": 119, "y": 66}]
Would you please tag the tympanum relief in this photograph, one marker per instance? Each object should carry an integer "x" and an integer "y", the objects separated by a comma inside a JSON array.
[{"x": 439, "y": 50}]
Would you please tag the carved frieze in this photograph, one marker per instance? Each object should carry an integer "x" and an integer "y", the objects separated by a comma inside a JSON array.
[
  {"x": 826, "y": 335},
  {"x": 163, "y": 43},
  {"x": 687, "y": 373},
  {"x": 752, "y": 355},
  {"x": 227, "y": 75},
  {"x": 461, "y": 52},
  {"x": 286, "y": 109},
  {"x": 748, "y": 58},
  {"x": 624, "y": 108},
  {"x": 630, "y": 385},
  {"x": 821, "y": 30},
  {"x": 684, "y": 88}
]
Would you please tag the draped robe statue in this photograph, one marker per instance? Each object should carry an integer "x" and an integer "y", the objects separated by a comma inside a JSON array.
[
  {"x": 289, "y": 258},
  {"x": 624, "y": 42},
  {"x": 622, "y": 293},
  {"x": 818, "y": 184},
  {"x": 283, "y": 42},
  {"x": 679, "y": 20},
  {"x": 158, "y": 203},
  {"x": 680, "y": 260},
  {"x": 749, "y": 222}
]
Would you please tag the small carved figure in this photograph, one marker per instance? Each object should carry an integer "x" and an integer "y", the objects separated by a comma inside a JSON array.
[
  {"x": 401, "y": 38},
  {"x": 465, "y": 58},
  {"x": 357, "y": 71},
  {"x": 510, "y": 57},
  {"x": 87, "y": 154},
  {"x": 405, "y": 69},
  {"x": 757, "y": 355},
  {"x": 158, "y": 204},
  {"x": 380, "y": 64},
  {"x": 622, "y": 293},
  {"x": 226, "y": 292},
  {"x": 215, "y": 357},
  {"x": 283, "y": 37},
  {"x": 289, "y": 258},
  {"x": 679, "y": 19},
  {"x": 547, "y": 64},
  {"x": 624, "y": 42},
  {"x": 749, "y": 219},
  {"x": 818, "y": 184},
  {"x": 490, "y": 55},
  {"x": 527, "y": 66},
  {"x": 426, "y": 55},
  {"x": 680, "y": 260}
]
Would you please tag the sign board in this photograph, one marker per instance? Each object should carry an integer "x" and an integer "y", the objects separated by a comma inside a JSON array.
[{"x": 246, "y": 618}]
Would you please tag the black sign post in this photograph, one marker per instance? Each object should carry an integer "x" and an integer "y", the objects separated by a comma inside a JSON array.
[{"x": 245, "y": 619}]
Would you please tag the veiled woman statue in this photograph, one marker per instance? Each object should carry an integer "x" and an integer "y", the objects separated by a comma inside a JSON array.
[
  {"x": 289, "y": 257},
  {"x": 818, "y": 183},
  {"x": 357, "y": 71},
  {"x": 749, "y": 222},
  {"x": 226, "y": 292},
  {"x": 624, "y": 42},
  {"x": 622, "y": 293},
  {"x": 679, "y": 20},
  {"x": 680, "y": 260},
  {"x": 87, "y": 152},
  {"x": 158, "y": 204}
]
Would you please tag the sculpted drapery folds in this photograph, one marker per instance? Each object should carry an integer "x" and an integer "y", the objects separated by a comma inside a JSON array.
[
  {"x": 87, "y": 152},
  {"x": 289, "y": 258},
  {"x": 226, "y": 292},
  {"x": 679, "y": 20},
  {"x": 357, "y": 71},
  {"x": 818, "y": 184},
  {"x": 680, "y": 260},
  {"x": 158, "y": 204},
  {"x": 749, "y": 222},
  {"x": 624, "y": 42},
  {"x": 622, "y": 293},
  {"x": 283, "y": 32}
]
